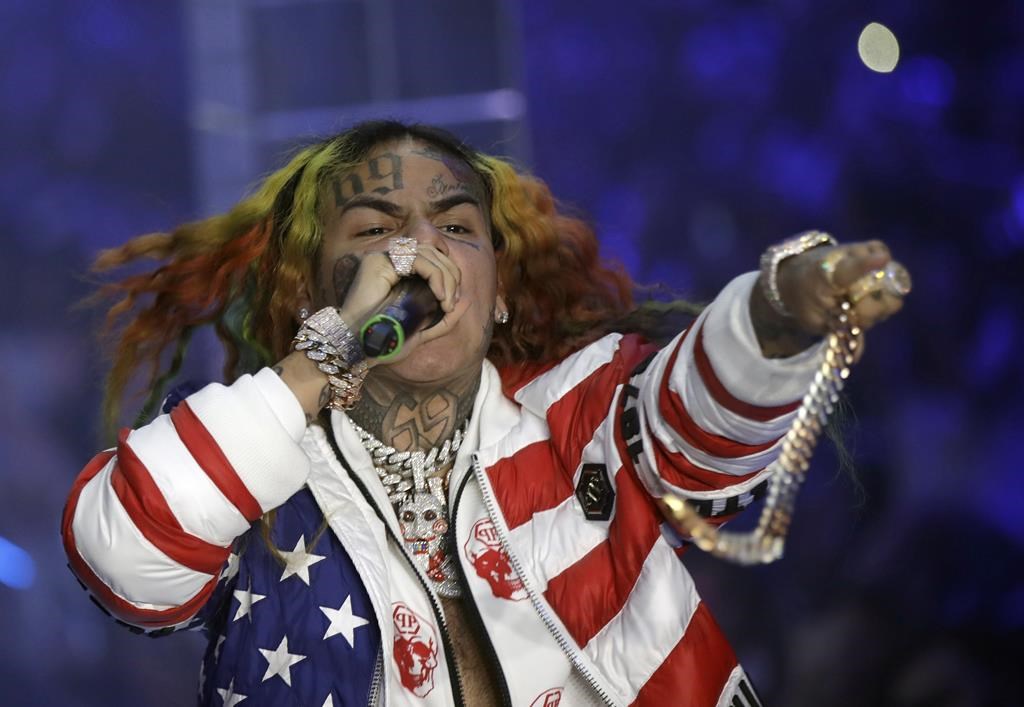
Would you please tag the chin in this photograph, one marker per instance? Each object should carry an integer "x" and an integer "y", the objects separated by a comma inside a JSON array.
[{"x": 434, "y": 361}]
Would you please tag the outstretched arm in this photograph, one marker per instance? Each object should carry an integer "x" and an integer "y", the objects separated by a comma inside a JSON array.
[
  {"x": 716, "y": 408},
  {"x": 703, "y": 416}
]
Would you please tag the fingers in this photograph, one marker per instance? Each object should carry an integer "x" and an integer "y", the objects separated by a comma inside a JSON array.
[
  {"x": 818, "y": 280},
  {"x": 441, "y": 274},
  {"x": 372, "y": 280},
  {"x": 376, "y": 276},
  {"x": 876, "y": 307},
  {"x": 858, "y": 260}
]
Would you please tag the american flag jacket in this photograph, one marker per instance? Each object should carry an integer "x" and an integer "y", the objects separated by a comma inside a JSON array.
[{"x": 572, "y": 572}]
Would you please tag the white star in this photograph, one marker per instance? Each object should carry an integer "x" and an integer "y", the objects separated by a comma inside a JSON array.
[
  {"x": 329, "y": 702},
  {"x": 232, "y": 567},
  {"x": 343, "y": 621},
  {"x": 246, "y": 598},
  {"x": 299, "y": 561},
  {"x": 229, "y": 696},
  {"x": 281, "y": 662}
]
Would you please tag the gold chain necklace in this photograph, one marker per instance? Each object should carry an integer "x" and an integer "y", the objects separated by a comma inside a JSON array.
[{"x": 766, "y": 542}]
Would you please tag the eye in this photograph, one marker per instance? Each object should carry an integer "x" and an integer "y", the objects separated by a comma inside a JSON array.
[
  {"x": 408, "y": 516},
  {"x": 374, "y": 231},
  {"x": 429, "y": 515},
  {"x": 455, "y": 228}
]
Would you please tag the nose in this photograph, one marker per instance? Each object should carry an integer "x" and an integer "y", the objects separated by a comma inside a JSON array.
[{"x": 427, "y": 233}]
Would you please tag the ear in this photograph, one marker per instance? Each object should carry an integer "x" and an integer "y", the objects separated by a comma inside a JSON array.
[
  {"x": 500, "y": 306},
  {"x": 303, "y": 299}
]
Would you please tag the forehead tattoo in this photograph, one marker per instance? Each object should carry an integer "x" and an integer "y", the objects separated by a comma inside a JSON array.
[
  {"x": 440, "y": 187},
  {"x": 467, "y": 180},
  {"x": 384, "y": 176}
]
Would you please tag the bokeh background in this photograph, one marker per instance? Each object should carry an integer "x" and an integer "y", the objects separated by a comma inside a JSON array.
[{"x": 694, "y": 133}]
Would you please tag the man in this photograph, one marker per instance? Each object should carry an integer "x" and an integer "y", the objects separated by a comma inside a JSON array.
[{"x": 497, "y": 429}]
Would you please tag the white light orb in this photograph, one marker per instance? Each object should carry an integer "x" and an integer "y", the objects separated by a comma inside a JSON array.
[{"x": 878, "y": 48}]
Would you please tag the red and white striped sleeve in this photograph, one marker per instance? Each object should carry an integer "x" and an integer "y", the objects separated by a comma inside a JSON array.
[
  {"x": 148, "y": 525},
  {"x": 711, "y": 409}
]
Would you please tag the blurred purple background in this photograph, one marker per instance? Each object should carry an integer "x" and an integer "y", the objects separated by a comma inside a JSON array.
[{"x": 694, "y": 133}]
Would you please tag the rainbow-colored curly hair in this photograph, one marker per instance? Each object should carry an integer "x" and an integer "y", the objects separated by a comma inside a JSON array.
[{"x": 241, "y": 271}]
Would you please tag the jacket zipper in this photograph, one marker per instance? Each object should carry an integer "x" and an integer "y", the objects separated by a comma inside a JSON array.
[
  {"x": 474, "y": 613},
  {"x": 564, "y": 643},
  {"x": 455, "y": 678},
  {"x": 446, "y": 640},
  {"x": 373, "y": 698}
]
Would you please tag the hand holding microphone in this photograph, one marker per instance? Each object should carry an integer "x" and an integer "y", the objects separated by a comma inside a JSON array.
[
  {"x": 414, "y": 302},
  {"x": 394, "y": 306},
  {"x": 411, "y": 306}
]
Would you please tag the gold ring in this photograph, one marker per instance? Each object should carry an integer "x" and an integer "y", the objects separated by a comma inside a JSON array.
[
  {"x": 828, "y": 265},
  {"x": 893, "y": 278}
]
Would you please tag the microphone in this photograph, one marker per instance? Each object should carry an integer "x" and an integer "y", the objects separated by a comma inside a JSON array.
[{"x": 410, "y": 305}]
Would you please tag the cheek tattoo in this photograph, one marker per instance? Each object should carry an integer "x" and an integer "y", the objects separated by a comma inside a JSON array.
[{"x": 344, "y": 275}]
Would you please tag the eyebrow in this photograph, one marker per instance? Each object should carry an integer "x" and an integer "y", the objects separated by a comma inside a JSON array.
[
  {"x": 367, "y": 201},
  {"x": 371, "y": 202},
  {"x": 450, "y": 202}
]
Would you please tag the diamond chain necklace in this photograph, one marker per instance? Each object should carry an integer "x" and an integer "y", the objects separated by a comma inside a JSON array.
[
  {"x": 396, "y": 469},
  {"x": 417, "y": 493}
]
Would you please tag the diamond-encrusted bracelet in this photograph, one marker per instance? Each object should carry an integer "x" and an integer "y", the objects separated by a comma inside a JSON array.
[
  {"x": 773, "y": 257},
  {"x": 328, "y": 341}
]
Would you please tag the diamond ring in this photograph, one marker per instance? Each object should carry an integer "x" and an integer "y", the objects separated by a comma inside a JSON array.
[
  {"x": 893, "y": 278},
  {"x": 402, "y": 251}
]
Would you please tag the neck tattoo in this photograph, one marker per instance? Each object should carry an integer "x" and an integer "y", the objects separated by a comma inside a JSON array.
[{"x": 412, "y": 437}]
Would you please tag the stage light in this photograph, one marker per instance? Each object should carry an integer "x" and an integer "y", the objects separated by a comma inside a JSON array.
[
  {"x": 878, "y": 48},
  {"x": 17, "y": 570}
]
